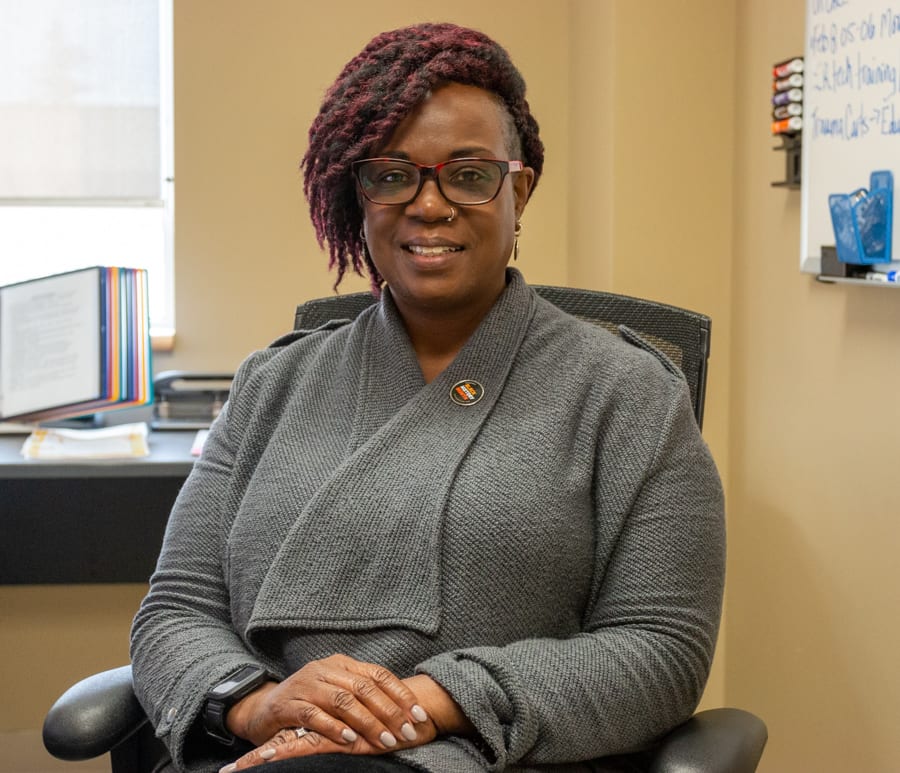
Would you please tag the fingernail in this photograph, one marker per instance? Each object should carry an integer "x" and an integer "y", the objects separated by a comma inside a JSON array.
[
  {"x": 387, "y": 739},
  {"x": 418, "y": 713},
  {"x": 230, "y": 768},
  {"x": 267, "y": 754},
  {"x": 408, "y": 731},
  {"x": 348, "y": 735}
]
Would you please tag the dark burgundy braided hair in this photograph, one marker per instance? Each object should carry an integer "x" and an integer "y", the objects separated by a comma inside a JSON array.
[{"x": 375, "y": 91}]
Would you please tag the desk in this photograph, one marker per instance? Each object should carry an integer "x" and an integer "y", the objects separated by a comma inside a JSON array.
[{"x": 87, "y": 522}]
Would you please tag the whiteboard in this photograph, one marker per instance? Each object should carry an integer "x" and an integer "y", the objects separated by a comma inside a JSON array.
[{"x": 851, "y": 110}]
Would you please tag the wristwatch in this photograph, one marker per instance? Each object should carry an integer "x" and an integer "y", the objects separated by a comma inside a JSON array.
[{"x": 224, "y": 695}]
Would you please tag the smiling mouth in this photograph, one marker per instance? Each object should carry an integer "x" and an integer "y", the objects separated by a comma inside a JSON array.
[{"x": 430, "y": 252}]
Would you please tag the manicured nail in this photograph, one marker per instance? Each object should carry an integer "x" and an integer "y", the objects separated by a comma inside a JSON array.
[
  {"x": 418, "y": 713},
  {"x": 387, "y": 739},
  {"x": 408, "y": 731},
  {"x": 348, "y": 735},
  {"x": 267, "y": 754},
  {"x": 230, "y": 768}
]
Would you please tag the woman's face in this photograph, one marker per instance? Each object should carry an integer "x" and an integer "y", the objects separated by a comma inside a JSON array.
[{"x": 431, "y": 264}]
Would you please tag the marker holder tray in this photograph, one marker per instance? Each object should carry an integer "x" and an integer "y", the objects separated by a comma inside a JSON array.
[{"x": 863, "y": 220}]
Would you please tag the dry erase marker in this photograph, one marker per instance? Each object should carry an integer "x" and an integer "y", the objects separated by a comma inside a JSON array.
[
  {"x": 786, "y": 111},
  {"x": 879, "y": 276},
  {"x": 794, "y": 81},
  {"x": 791, "y": 66},
  {"x": 791, "y": 95},
  {"x": 787, "y": 125}
]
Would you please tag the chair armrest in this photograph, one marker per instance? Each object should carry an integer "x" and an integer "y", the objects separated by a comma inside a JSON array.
[
  {"x": 714, "y": 741},
  {"x": 93, "y": 716}
]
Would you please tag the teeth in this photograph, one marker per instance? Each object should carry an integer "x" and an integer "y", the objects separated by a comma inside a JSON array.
[{"x": 430, "y": 251}]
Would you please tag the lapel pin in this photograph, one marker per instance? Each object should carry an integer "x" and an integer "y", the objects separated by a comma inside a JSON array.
[{"x": 466, "y": 392}]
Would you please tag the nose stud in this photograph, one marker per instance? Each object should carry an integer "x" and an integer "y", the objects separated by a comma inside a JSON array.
[{"x": 452, "y": 215}]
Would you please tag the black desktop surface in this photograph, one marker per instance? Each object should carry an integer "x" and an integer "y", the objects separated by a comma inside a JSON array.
[{"x": 87, "y": 521}]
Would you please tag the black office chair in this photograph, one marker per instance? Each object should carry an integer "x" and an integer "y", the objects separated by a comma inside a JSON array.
[
  {"x": 681, "y": 334},
  {"x": 101, "y": 714}
]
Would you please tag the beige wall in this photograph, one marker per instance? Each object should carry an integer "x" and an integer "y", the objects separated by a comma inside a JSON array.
[
  {"x": 813, "y": 628},
  {"x": 657, "y": 184}
]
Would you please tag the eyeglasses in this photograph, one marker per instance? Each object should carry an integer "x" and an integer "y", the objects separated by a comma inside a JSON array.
[{"x": 460, "y": 181}]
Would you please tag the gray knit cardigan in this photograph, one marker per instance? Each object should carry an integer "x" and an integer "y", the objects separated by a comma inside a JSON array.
[{"x": 553, "y": 554}]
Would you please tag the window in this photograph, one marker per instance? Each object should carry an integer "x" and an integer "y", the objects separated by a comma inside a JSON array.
[{"x": 86, "y": 171}]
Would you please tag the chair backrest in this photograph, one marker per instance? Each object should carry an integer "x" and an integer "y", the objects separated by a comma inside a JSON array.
[{"x": 682, "y": 335}]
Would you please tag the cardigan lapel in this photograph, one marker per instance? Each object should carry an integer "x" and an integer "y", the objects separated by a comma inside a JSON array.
[{"x": 365, "y": 550}]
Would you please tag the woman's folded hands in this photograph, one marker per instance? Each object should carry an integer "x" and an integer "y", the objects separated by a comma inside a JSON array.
[{"x": 342, "y": 705}]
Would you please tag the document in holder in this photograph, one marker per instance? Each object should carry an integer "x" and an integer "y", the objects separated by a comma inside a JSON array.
[{"x": 74, "y": 343}]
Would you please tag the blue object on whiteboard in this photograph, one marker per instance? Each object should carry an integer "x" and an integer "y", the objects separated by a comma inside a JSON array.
[{"x": 863, "y": 221}]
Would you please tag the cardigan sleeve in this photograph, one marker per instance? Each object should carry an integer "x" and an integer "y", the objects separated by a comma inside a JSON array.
[
  {"x": 639, "y": 665},
  {"x": 182, "y": 639}
]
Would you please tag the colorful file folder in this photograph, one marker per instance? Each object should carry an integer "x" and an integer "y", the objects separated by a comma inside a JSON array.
[{"x": 75, "y": 343}]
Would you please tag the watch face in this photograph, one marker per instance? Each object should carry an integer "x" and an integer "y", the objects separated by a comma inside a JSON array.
[
  {"x": 233, "y": 682},
  {"x": 223, "y": 688}
]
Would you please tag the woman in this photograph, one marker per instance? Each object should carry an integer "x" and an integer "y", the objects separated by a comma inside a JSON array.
[{"x": 465, "y": 532}]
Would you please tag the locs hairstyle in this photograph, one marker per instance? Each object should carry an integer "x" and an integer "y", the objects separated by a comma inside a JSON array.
[{"x": 375, "y": 91}]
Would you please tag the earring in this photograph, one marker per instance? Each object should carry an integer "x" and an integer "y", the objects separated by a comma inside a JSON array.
[{"x": 517, "y": 233}]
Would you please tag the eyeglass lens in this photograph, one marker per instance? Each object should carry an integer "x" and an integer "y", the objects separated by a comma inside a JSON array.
[{"x": 467, "y": 181}]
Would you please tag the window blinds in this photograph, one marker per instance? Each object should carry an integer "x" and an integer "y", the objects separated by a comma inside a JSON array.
[{"x": 80, "y": 100}]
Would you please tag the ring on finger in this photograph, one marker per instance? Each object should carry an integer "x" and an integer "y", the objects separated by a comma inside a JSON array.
[{"x": 301, "y": 731}]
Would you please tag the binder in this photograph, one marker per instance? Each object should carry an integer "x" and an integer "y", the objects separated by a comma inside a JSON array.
[{"x": 74, "y": 343}]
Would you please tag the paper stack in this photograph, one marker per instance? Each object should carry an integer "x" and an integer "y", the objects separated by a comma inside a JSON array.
[{"x": 125, "y": 441}]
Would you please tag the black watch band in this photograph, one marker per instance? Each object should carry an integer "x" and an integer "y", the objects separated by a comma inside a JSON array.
[{"x": 224, "y": 695}]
